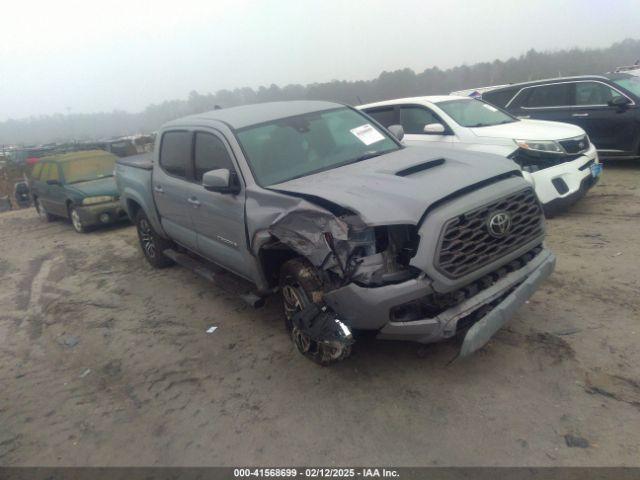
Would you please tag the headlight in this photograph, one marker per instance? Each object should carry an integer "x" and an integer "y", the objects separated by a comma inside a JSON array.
[
  {"x": 94, "y": 200},
  {"x": 546, "y": 146}
]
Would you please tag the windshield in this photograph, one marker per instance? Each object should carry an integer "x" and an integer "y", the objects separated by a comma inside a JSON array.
[
  {"x": 298, "y": 146},
  {"x": 475, "y": 113},
  {"x": 85, "y": 169},
  {"x": 631, "y": 84}
]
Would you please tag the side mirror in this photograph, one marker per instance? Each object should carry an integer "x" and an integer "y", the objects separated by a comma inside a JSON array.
[
  {"x": 53, "y": 182},
  {"x": 220, "y": 180},
  {"x": 620, "y": 101},
  {"x": 397, "y": 131},
  {"x": 434, "y": 129}
]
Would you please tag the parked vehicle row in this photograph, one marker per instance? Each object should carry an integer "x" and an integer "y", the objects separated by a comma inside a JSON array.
[
  {"x": 557, "y": 158},
  {"x": 605, "y": 106},
  {"x": 419, "y": 218}
]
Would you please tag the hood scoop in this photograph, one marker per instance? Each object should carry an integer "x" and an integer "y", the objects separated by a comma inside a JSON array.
[{"x": 420, "y": 167}]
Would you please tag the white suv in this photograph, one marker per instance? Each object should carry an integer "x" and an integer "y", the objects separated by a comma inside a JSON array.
[{"x": 557, "y": 158}]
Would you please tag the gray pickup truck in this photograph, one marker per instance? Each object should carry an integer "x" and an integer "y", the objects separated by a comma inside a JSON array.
[{"x": 317, "y": 201}]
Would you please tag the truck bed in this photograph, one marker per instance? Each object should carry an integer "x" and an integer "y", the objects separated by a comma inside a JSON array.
[{"x": 144, "y": 161}]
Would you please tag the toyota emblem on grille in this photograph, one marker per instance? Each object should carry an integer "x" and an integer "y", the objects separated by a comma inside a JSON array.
[{"x": 499, "y": 224}]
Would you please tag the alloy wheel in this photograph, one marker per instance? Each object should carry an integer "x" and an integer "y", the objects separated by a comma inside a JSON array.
[{"x": 146, "y": 238}]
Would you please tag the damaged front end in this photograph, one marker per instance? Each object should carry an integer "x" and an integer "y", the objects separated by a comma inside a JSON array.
[
  {"x": 319, "y": 334},
  {"x": 337, "y": 251},
  {"x": 345, "y": 250}
]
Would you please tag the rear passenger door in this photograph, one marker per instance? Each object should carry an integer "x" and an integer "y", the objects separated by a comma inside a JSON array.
[
  {"x": 218, "y": 217},
  {"x": 170, "y": 186},
  {"x": 544, "y": 102},
  {"x": 56, "y": 197},
  {"x": 35, "y": 183},
  {"x": 43, "y": 188}
]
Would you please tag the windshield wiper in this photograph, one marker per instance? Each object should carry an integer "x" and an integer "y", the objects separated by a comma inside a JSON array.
[{"x": 477, "y": 125}]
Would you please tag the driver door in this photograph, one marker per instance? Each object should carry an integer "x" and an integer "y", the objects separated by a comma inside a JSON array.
[
  {"x": 218, "y": 217},
  {"x": 609, "y": 127}
]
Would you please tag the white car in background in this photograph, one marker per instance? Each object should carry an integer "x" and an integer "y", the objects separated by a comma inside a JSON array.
[{"x": 557, "y": 158}]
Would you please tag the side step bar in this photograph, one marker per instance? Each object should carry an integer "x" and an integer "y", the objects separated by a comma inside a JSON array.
[{"x": 201, "y": 269}]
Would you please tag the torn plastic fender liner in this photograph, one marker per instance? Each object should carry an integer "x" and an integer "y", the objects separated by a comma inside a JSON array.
[
  {"x": 321, "y": 324},
  {"x": 304, "y": 231}
]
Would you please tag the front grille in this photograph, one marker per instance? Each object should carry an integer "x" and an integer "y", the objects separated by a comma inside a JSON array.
[
  {"x": 575, "y": 145},
  {"x": 466, "y": 244}
]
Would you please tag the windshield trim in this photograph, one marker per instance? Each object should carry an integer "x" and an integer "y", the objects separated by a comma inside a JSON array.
[
  {"x": 236, "y": 131},
  {"x": 624, "y": 90},
  {"x": 458, "y": 100}
]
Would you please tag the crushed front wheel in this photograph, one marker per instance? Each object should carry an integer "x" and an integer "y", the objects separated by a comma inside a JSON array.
[{"x": 315, "y": 331}]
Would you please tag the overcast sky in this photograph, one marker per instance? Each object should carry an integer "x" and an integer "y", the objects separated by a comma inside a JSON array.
[{"x": 88, "y": 56}]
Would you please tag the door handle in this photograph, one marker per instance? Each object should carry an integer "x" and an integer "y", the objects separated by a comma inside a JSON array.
[
  {"x": 158, "y": 189},
  {"x": 193, "y": 201},
  {"x": 580, "y": 115}
]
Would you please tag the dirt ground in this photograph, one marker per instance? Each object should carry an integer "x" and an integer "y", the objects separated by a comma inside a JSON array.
[{"x": 105, "y": 361}]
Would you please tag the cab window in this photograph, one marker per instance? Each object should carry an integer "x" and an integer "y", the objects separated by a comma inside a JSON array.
[
  {"x": 175, "y": 153},
  {"x": 594, "y": 93},
  {"x": 384, "y": 116},
  {"x": 414, "y": 118},
  {"x": 210, "y": 154},
  {"x": 556, "y": 95},
  {"x": 54, "y": 173},
  {"x": 44, "y": 175},
  {"x": 37, "y": 169}
]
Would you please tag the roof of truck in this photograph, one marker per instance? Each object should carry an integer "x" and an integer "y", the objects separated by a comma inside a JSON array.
[{"x": 246, "y": 115}]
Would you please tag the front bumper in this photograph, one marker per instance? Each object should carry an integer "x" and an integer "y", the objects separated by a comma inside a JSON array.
[
  {"x": 565, "y": 183},
  {"x": 370, "y": 308},
  {"x": 560, "y": 204},
  {"x": 101, "y": 213}
]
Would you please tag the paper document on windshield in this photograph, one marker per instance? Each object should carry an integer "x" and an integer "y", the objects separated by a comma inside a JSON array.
[{"x": 367, "y": 134}]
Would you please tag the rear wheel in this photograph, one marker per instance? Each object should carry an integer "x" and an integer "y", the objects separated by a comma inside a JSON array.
[
  {"x": 42, "y": 212},
  {"x": 301, "y": 286},
  {"x": 152, "y": 244}
]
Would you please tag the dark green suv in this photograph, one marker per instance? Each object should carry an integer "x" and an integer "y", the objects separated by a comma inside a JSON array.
[{"x": 78, "y": 186}]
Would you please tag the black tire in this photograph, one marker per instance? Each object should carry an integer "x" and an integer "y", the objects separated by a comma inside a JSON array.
[
  {"x": 152, "y": 244},
  {"x": 76, "y": 222},
  {"x": 299, "y": 286},
  {"x": 42, "y": 212}
]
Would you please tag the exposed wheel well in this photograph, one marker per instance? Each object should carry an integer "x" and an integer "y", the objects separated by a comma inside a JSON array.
[
  {"x": 132, "y": 208},
  {"x": 69, "y": 204},
  {"x": 271, "y": 260}
]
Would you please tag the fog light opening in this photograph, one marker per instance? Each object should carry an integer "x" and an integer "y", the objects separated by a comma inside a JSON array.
[{"x": 104, "y": 218}]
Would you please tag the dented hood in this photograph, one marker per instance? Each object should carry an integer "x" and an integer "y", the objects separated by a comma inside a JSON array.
[{"x": 398, "y": 187}]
